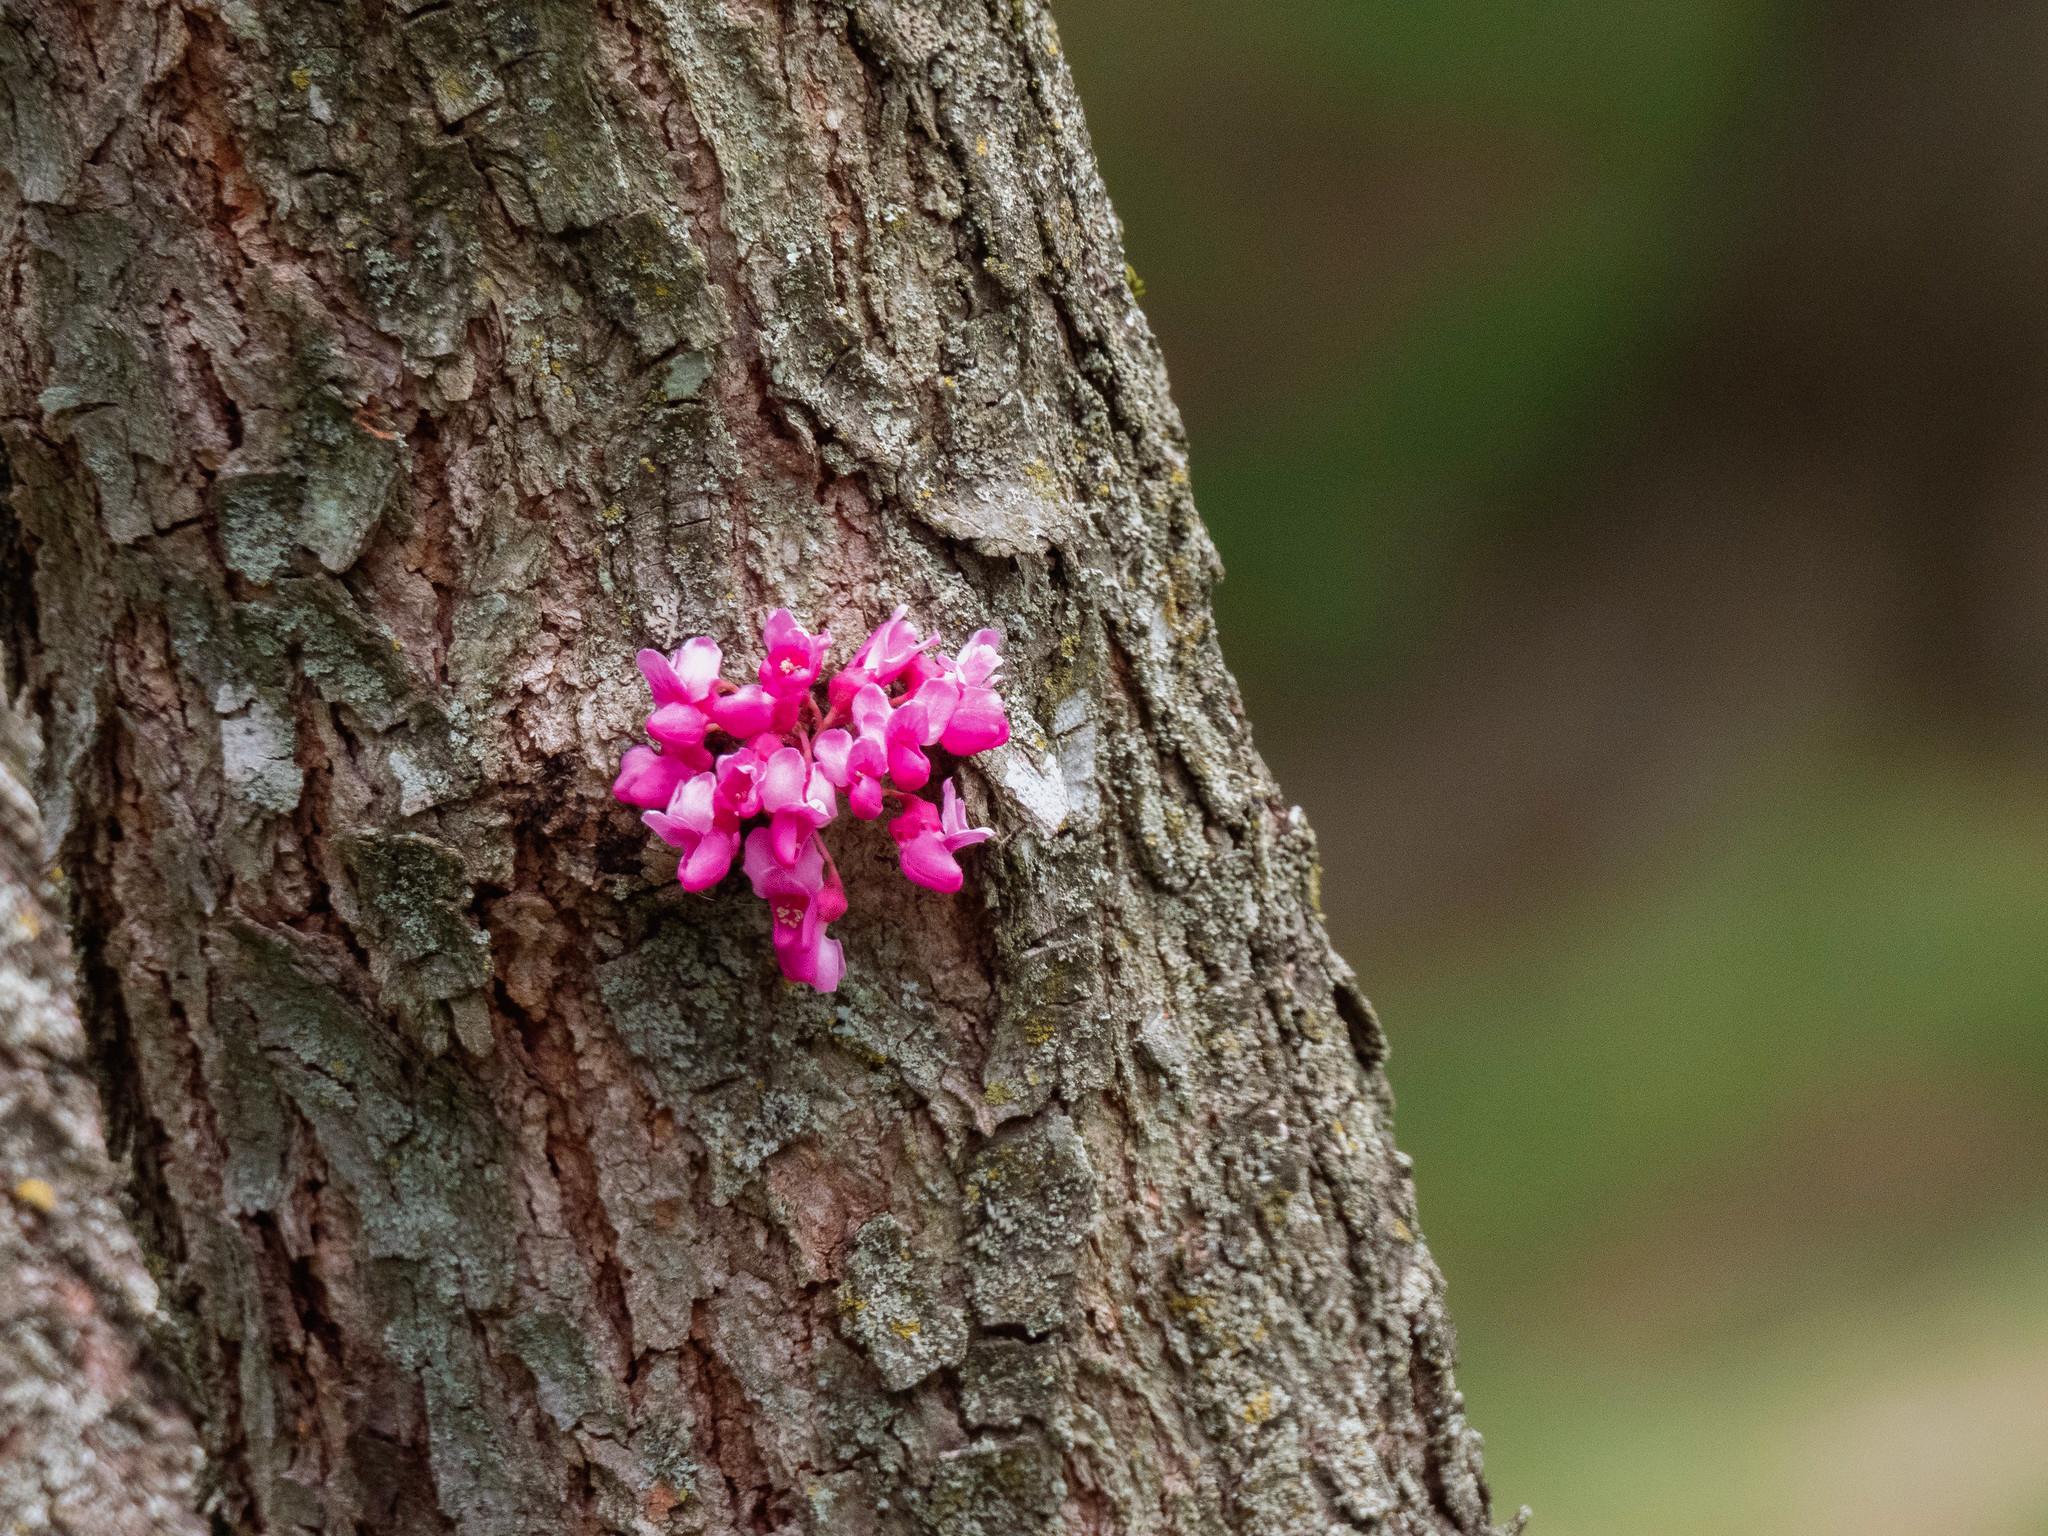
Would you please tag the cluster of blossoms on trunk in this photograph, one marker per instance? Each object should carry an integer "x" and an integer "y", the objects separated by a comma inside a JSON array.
[{"x": 753, "y": 771}]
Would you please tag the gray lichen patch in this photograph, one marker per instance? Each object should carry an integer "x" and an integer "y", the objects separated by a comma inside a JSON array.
[
  {"x": 1278, "y": 1495},
  {"x": 257, "y": 756},
  {"x": 556, "y": 162},
  {"x": 683, "y": 375},
  {"x": 1008, "y": 1381},
  {"x": 417, "y": 1144},
  {"x": 350, "y": 476},
  {"x": 1025, "y": 517},
  {"x": 454, "y": 59},
  {"x": 996, "y": 1488},
  {"x": 342, "y": 650},
  {"x": 258, "y": 514},
  {"x": 410, "y": 898},
  {"x": 1031, "y": 1195},
  {"x": 649, "y": 279},
  {"x": 571, "y": 1381},
  {"x": 893, "y": 1306},
  {"x": 665, "y": 1000},
  {"x": 334, "y": 479}
]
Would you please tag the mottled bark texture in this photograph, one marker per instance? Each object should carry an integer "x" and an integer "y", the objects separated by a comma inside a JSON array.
[
  {"x": 376, "y": 378},
  {"x": 94, "y": 1439}
]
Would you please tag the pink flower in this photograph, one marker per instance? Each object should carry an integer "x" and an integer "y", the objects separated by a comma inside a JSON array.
[
  {"x": 802, "y": 898},
  {"x": 909, "y": 732},
  {"x": 695, "y": 823},
  {"x": 980, "y": 658},
  {"x": 923, "y": 667},
  {"x": 897, "y": 734},
  {"x": 927, "y": 837},
  {"x": 683, "y": 687},
  {"x": 977, "y": 721},
  {"x": 881, "y": 658},
  {"x": 739, "y": 764},
  {"x": 794, "y": 656},
  {"x": 798, "y": 799},
  {"x": 746, "y": 711},
  {"x": 858, "y": 764},
  {"x": 650, "y": 778},
  {"x": 739, "y": 775}
]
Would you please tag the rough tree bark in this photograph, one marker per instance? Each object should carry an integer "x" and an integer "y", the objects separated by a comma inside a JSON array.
[
  {"x": 93, "y": 1438},
  {"x": 376, "y": 378}
]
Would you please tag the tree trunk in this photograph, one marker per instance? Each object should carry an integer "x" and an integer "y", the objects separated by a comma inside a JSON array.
[{"x": 376, "y": 379}]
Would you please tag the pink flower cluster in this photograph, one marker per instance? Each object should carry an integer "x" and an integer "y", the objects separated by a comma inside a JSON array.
[{"x": 768, "y": 759}]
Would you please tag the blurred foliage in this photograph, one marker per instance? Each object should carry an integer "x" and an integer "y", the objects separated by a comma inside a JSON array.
[
  {"x": 1466, "y": 339},
  {"x": 1729, "y": 1141},
  {"x": 1717, "y": 1159}
]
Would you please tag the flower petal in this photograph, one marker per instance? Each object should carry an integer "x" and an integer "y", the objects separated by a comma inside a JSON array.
[
  {"x": 678, "y": 724},
  {"x": 820, "y": 798},
  {"x": 706, "y": 864},
  {"x": 695, "y": 804},
  {"x": 831, "y": 895},
  {"x": 832, "y": 749},
  {"x": 809, "y": 869},
  {"x": 661, "y": 677},
  {"x": 845, "y": 684},
  {"x": 782, "y": 781},
  {"x": 829, "y": 966},
  {"x": 938, "y": 698},
  {"x": 909, "y": 768},
  {"x": 878, "y": 638},
  {"x": 745, "y": 711},
  {"x": 978, "y": 723},
  {"x": 917, "y": 817},
  {"x": 871, "y": 710},
  {"x": 760, "y": 862},
  {"x": 739, "y": 783},
  {"x": 648, "y": 778},
  {"x": 807, "y": 955},
  {"x": 786, "y": 833},
  {"x": 696, "y": 665},
  {"x": 668, "y": 829},
  {"x": 980, "y": 657},
  {"x": 865, "y": 797},
  {"x": 927, "y": 861}
]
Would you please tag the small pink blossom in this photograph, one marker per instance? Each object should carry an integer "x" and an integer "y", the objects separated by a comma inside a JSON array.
[
  {"x": 891, "y": 647},
  {"x": 650, "y": 778},
  {"x": 798, "y": 798},
  {"x": 746, "y": 711},
  {"x": 688, "y": 676},
  {"x": 927, "y": 838},
  {"x": 977, "y": 721},
  {"x": 921, "y": 669},
  {"x": 908, "y": 733},
  {"x": 683, "y": 686},
  {"x": 708, "y": 835},
  {"x": 739, "y": 775},
  {"x": 980, "y": 658},
  {"x": 730, "y": 755},
  {"x": 859, "y": 764},
  {"x": 794, "y": 657},
  {"x": 802, "y": 896}
]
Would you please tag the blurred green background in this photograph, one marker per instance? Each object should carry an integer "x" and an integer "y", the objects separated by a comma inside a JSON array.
[{"x": 1626, "y": 429}]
